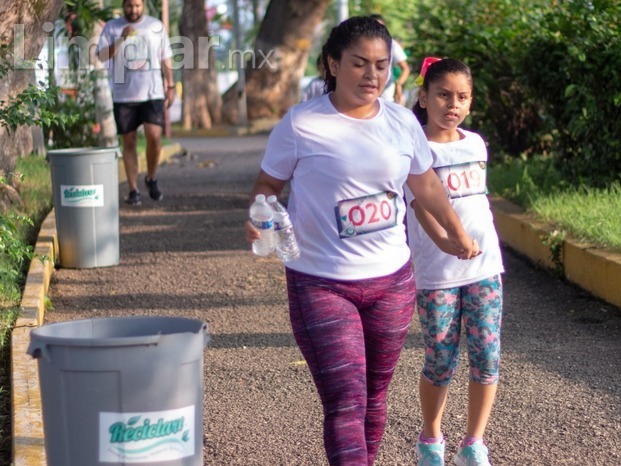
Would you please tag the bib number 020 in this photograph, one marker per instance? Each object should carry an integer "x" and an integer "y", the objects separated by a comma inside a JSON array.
[{"x": 366, "y": 214}]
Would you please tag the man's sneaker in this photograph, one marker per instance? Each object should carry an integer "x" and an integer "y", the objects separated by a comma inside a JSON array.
[
  {"x": 154, "y": 191},
  {"x": 430, "y": 454},
  {"x": 472, "y": 455},
  {"x": 134, "y": 197}
]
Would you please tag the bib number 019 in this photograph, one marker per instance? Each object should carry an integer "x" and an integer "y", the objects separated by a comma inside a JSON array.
[{"x": 464, "y": 179}]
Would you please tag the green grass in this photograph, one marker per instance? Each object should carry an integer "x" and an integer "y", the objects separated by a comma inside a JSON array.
[
  {"x": 589, "y": 215},
  {"x": 586, "y": 214},
  {"x": 35, "y": 190},
  {"x": 36, "y": 193}
]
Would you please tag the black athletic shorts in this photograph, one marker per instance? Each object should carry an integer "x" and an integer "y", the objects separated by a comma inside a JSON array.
[{"x": 130, "y": 115}]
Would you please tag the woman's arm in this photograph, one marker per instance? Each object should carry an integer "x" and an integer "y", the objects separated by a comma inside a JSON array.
[
  {"x": 433, "y": 229},
  {"x": 447, "y": 228}
]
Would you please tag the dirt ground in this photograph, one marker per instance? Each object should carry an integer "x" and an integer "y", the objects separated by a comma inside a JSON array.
[{"x": 559, "y": 398}]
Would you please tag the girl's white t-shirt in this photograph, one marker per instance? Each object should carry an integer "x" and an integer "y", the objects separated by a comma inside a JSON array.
[
  {"x": 462, "y": 167},
  {"x": 347, "y": 176},
  {"x": 135, "y": 71}
]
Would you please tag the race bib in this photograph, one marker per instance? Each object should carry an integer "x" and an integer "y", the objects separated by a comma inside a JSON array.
[
  {"x": 366, "y": 214},
  {"x": 463, "y": 179}
]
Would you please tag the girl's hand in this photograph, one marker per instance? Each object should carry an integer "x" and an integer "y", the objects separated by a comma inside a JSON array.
[
  {"x": 471, "y": 251},
  {"x": 453, "y": 248}
]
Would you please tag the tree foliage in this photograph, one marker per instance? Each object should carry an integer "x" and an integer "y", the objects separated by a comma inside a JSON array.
[
  {"x": 32, "y": 106},
  {"x": 577, "y": 52},
  {"x": 546, "y": 75}
]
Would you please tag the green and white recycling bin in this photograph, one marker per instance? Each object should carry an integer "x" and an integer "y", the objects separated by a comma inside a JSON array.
[
  {"x": 122, "y": 390},
  {"x": 85, "y": 184}
]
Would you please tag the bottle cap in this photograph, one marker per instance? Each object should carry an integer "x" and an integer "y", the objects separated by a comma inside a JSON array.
[
  {"x": 260, "y": 198},
  {"x": 272, "y": 198}
]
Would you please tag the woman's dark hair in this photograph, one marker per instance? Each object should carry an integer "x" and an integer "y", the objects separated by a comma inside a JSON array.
[
  {"x": 344, "y": 36},
  {"x": 435, "y": 72}
]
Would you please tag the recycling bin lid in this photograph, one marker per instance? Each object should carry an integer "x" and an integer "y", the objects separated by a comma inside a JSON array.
[{"x": 77, "y": 151}]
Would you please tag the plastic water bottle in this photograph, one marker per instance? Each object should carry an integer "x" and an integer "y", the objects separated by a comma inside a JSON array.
[
  {"x": 286, "y": 244},
  {"x": 262, "y": 217}
]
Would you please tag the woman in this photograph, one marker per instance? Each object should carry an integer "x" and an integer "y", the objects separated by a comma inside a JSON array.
[{"x": 347, "y": 155}]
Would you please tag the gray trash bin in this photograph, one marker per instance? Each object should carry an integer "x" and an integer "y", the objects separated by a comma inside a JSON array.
[
  {"x": 85, "y": 183},
  {"x": 122, "y": 390}
]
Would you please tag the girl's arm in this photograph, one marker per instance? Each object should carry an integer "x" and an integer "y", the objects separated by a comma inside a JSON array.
[{"x": 429, "y": 193}]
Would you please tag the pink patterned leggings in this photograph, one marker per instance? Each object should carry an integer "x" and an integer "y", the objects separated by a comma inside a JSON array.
[{"x": 351, "y": 334}]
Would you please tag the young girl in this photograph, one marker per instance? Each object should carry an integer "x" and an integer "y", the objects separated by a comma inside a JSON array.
[
  {"x": 347, "y": 155},
  {"x": 451, "y": 291}
]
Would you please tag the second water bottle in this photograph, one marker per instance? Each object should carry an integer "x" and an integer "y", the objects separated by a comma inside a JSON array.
[{"x": 286, "y": 243}]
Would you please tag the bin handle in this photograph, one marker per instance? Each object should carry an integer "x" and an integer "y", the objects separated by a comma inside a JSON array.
[{"x": 39, "y": 350}]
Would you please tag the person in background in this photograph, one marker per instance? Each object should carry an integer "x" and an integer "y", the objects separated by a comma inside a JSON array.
[
  {"x": 453, "y": 293},
  {"x": 138, "y": 51},
  {"x": 394, "y": 86},
  {"x": 347, "y": 155},
  {"x": 317, "y": 85}
]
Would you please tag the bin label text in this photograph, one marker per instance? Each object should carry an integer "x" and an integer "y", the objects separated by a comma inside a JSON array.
[
  {"x": 82, "y": 195},
  {"x": 146, "y": 437}
]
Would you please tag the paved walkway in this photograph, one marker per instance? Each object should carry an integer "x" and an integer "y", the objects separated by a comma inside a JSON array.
[{"x": 559, "y": 400}]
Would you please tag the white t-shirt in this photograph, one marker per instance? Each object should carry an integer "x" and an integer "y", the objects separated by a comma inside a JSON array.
[
  {"x": 347, "y": 176},
  {"x": 462, "y": 167},
  {"x": 135, "y": 72}
]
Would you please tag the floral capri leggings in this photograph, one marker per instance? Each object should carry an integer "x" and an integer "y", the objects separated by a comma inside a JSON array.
[{"x": 441, "y": 313}]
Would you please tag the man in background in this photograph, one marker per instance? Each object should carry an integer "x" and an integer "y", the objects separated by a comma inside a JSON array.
[{"x": 138, "y": 51}]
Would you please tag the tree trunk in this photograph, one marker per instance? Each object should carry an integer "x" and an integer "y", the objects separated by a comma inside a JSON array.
[
  {"x": 202, "y": 102},
  {"x": 22, "y": 34},
  {"x": 277, "y": 64},
  {"x": 102, "y": 94}
]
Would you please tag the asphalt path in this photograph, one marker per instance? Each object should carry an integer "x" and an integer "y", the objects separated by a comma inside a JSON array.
[{"x": 559, "y": 398}]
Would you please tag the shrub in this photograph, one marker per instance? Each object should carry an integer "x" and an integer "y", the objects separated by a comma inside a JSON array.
[
  {"x": 546, "y": 76},
  {"x": 82, "y": 130},
  {"x": 577, "y": 50}
]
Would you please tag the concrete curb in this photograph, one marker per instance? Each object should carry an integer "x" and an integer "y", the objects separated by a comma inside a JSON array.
[
  {"x": 26, "y": 413},
  {"x": 28, "y": 440},
  {"x": 594, "y": 269}
]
